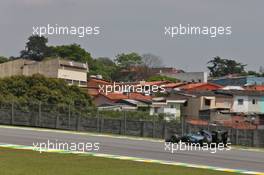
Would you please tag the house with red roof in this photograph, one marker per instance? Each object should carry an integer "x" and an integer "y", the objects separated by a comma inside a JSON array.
[
  {"x": 200, "y": 86},
  {"x": 130, "y": 101},
  {"x": 256, "y": 87}
]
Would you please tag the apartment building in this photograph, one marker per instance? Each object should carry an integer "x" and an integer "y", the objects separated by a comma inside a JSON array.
[{"x": 70, "y": 71}]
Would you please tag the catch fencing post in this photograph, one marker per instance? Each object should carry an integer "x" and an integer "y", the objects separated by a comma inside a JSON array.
[
  {"x": 142, "y": 128},
  {"x": 153, "y": 126},
  {"x": 40, "y": 121},
  {"x": 164, "y": 130},
  {"x": 77, "y": 122},
  {"x": 57, "y": 121},
  {"x": 12, "y": 113},
  {"x": 97, "y": 121},
  {"x": 125, "y": 123},
  {"x": 69, "y": 116},
  {"x": 120, "y": 126},
  {"x": 236, "y": 136},
  {"x": 102, "y": 124},
  {"x": 182, "y": 125}
]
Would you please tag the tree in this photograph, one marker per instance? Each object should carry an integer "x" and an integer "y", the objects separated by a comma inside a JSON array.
[
  {"x": 151, "y": 61},
  {"x": 36, "y": 48},
  {"x": 126, "y": 61},
  {"x": 3, "y": 59},
  {"x": 106, "y": 61},
  {"x": 103, "y": 66},
  {"x": 73, "y": 52},
  {"x": 254, "y": 73},
  {"x": 128, "y": 67},
  {"x": 221, "y": 67},
  {"x": 37, "y": 88}
]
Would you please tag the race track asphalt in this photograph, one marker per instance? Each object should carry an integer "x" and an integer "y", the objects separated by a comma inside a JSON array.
[{"x": 234, "y": 158}]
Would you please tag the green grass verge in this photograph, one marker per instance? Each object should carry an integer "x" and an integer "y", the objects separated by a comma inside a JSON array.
[{"x": 25, "y": 162}]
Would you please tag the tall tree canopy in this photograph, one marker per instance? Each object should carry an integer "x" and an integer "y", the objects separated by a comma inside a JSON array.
[
  {"x": 125, "y": 61},
  {"x": 36, "y": 48},
  {"x": 73, "y": 52},
  {"x": 103, "y": 66},
  {"x": 149, "y": 60},
  {"x": 221, "y": 67},
  {"x": 3, "y": 59}
]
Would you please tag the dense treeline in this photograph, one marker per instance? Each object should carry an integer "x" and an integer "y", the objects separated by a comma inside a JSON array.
[{"x": 37, "y": 88}]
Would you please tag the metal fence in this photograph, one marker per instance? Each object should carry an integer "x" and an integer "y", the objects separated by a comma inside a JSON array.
[{"x": 67, "y": 117}]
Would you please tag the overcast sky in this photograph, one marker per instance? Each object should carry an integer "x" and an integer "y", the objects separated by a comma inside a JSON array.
[{"x": 138, "y": 26}]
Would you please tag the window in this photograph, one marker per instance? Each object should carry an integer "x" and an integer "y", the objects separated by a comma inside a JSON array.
[
  {"x": 254, "y": 102},
  {"x": 240, "y": 101},
  {"x": 207, "y": 102},
  {"x": 68, "y": 81},
  {"x": 83, "y": 83},
  {"x": 172, "y": 106},
  {"x": 75, "y": 82}
]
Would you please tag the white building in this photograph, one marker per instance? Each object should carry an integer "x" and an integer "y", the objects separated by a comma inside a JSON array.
[
  {"x": 247, "y": 101},
  {"x": 171, "y": 108}
]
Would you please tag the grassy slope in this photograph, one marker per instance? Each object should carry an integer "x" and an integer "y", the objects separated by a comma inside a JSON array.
[{"x": 14, "y": 162}]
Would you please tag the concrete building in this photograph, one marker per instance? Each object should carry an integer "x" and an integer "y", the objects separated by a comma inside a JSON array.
[
  {"x": 70, "y": 71},
  {"x": 198, "y": 77},
  {"x": 206, "y": 104},
  {"x": 247, "y": 102},
  {"x": 239, "y": 81}
]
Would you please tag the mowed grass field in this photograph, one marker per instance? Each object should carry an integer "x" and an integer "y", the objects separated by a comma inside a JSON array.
[{"x": 25, "y": 162}]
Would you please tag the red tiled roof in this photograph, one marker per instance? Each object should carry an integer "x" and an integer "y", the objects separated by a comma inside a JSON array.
[
  {"x": 200, "y": 86},
  {"x": 257, "y": 88},
  {"x": 120, "y": 96},
  {"x": 173, "y": 85},
  {"x": 138, "y": 96},
  {"x": 151, "y": 83},
  {"x": 93, "y": 82}
]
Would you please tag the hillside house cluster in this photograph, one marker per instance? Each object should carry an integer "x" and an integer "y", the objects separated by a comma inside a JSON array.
[
  {"x": 232, "y": 101},
  {"x": 191, "y": 101}
]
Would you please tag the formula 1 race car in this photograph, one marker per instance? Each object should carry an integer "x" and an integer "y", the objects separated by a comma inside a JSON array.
[{"x": 201, "y": 137}]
